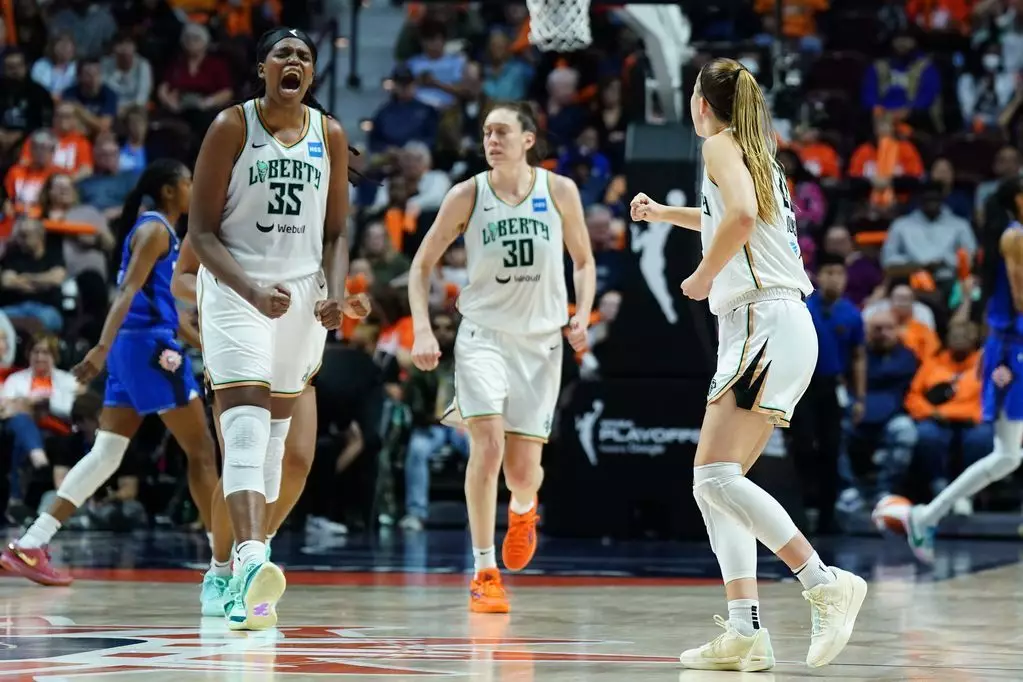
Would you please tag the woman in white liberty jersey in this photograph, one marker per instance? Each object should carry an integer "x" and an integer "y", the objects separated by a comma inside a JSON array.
[
  {"x": 267, "y": 223},
  {"x": 767, "y": 349},
  {"x": 515, "y": 219}
]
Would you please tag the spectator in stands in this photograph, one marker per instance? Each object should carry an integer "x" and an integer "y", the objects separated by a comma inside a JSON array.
[
  {"x": 906, "y": 86},
  {"x": 611, "y": 120},
  {"x": 403, "y": 118},
  {"x": 24, "y": 182},
  {"x": 128, "y": 74},
  {"x": 604, "y": 240},
  {"x": 425, "y": 185},
  {"x": 584, "y": 162},
  {"x": 135, "y": 124},
  {"x": 24, "y": 104},
  {"x": 18, "y": 431},
  {"x": 565, "y": 117},
  {"x": 31, "y": 273},
  {"x": 1007, "y": 164},
  {"x": 198, "y": 84},
  {"x": 96, "y": 103},
  {"x": 386, "y": 261},
  {"x": 818, "y": 156},
  {"x": 428, "y": 396},
  {"x": 944, "y": 399},
  {"x": 33, "y": 35},
  {"x": 957, "y": 199},
  {"x": 986, "y": 89},
  {"x": 839, "y": 381},
  {"x": 929, "y": 239},
  {"x": 90, "y": 24},
  {"x": 885, "y": 435},
  {"x": 157, "y": 29},
  {"x": 440, "y": 78},
  {"x": 940, "y": 15},
  {"x": 87, "y": 237},
  {"x": 57, "y": 71},
  {"x": 8, "y": 347},
  {"x": 863, "y": 273},
  {"x": 505, "y": 76},
  {"x": 914, "y": 321},
  {"x": 73, "y": 153},
  {"x": 889, "y": 156},
  {"x": 108, "y": 187},
  {"x": 808, "y": 201},
  {"x": 799, "y": 23}
]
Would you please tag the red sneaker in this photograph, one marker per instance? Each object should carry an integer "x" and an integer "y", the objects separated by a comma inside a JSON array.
[{"x": 33, "y": 564}]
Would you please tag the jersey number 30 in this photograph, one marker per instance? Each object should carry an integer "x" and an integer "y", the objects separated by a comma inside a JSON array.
[
  {"x": 286, "y": 200},
  {"x": 519, "y": 253}
]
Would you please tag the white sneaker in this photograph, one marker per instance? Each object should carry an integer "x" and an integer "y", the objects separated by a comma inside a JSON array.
[
  {"x": 732, "y": 651},
  {"x": 833, "y": 611}
]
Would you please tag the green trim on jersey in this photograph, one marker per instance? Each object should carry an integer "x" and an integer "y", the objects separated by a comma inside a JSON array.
[
  {"x": 305, "y": 129},
  {"x": 245, "y": 124},
  {"x": 532, "y": 188},
  {"x": 554, "y": 202}
]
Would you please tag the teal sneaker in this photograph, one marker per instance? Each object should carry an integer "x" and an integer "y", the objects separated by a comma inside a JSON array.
[
  {"x": 254, "y": 597},
  {"x": 214, "y": 592}
]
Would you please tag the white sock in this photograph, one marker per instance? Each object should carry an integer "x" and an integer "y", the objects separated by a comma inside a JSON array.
[
  {"x": 222, "y": 570},
  {"x": 814, "y": 573},
  {"x": 744, "y": 616},
  {"x": 209, "y": 537},
  {"x": 270, "y": 537},
  {"x": 484, "y": 558},
  {"x": 520, "y": 507},
  {"x": 40, "y": 532},
  {"x": 250, "y": 551}
]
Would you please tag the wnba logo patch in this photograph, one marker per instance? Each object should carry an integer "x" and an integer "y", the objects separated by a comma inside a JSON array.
[
  {"x": 540, "y": 205},
  {"x": 316, "y": 150}
]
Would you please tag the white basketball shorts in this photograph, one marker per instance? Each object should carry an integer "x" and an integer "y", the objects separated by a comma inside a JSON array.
[
  {"x": 767, "y": 352},
  {"x": 517, "y": 376},
  {"x": 243, "y": 347}
]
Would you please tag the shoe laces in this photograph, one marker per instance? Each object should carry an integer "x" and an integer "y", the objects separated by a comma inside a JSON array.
[
  {"x": 820, "y": 612},
  {"x": 718, "y": 641},
  {"x": 490, "y": 585},
  {"x": 518, "y": 536}
]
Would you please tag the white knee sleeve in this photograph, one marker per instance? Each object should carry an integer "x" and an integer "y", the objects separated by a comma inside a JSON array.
[
  {"x": 246, "y": 433},
  {"x": 1008, "y": 452},
  {"x": 94, "y": 469},
  {"x": 274, "y": 458},
  {"x": 732, "y": 543},
  {"x": 748, "y": 504}
]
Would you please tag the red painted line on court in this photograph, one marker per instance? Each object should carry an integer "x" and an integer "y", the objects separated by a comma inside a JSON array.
[{"x": 342, "y": 579}]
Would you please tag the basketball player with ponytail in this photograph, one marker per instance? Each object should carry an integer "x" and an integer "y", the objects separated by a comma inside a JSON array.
[
  {"x": 753, "y": 277},
  {"x": 148, "y": 373},
  {"x": 516, "y": 220},
  {"x": 267, "y": 222}
]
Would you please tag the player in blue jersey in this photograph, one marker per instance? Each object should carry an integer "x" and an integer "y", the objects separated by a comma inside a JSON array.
[
  {"x": 1001, "y": 374},
  {"x": 148, "y": 372}
]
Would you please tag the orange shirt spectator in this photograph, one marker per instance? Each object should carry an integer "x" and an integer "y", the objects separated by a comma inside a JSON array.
[
  {"x": 864, "y": 161},
  {"x": 798, "y": 16},
  {"x": 24, "y": 185},
  {"x": 73, "y": 154},
  {"x": 942, "y": 377},
  {"x": 821, "y": 159},
  {"x": 940, "y": 14},
  {"x": 920, "y": 339}
]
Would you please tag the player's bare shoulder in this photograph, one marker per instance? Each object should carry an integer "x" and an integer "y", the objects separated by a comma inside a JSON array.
[
  {"x": 1011, "y": 244},
  {"x": 562, "y": 188}
]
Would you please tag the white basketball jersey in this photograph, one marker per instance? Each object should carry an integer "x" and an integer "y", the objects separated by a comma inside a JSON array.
[
  {"x": 770, "y": 258},
  {"x": 277, "y": 200},
  {"x": 516, "y": 261}
]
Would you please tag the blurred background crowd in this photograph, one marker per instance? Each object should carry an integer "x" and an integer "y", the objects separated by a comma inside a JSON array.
[{"x": 897, "y": 120}]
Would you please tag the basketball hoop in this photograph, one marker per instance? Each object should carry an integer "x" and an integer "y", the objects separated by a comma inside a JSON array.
[{"x": 559, "y": 25}]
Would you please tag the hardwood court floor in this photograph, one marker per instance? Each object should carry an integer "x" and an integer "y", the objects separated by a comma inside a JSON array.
[{"x": 624, "y": 630}]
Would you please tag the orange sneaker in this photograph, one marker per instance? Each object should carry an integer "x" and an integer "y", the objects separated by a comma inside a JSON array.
[
  {"x": 486, "y": 593},
  {"x": 519, "y": 544}
]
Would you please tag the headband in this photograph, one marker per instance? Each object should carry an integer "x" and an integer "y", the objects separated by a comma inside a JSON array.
[{"x": 276, "y": 35}]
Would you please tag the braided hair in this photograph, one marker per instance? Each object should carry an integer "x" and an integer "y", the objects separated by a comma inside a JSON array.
[
  {"x": 263, "y": 48},
  {"x": 154, "y": 178}
]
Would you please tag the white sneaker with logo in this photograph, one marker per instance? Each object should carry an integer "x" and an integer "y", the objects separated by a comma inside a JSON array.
[
  {"x": 833, "y": 611},
  {"x": 732, "y": 651}
]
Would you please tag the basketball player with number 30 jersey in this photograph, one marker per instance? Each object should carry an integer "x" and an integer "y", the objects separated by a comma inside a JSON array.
[
  {"x": 515, "y": 219},
  {"x": 752, "y": 274}
]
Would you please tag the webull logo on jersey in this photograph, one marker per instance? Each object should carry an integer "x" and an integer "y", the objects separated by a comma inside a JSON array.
[
  {"x": 602, "y": 435},
  {"x": 515, "y": 227},
  {"x": 294, "y": 170}
]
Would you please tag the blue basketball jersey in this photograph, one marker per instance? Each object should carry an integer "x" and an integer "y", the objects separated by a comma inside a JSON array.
[
  {"x": 154, "y": 306},
  {"x": 1004, "y": 346}
]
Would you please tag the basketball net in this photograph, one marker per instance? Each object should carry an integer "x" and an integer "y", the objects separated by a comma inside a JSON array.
[{"x": 559, "y": 25}]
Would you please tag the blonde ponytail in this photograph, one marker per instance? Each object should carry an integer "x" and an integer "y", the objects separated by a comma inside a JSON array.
[{"x": 753, "y": 132}]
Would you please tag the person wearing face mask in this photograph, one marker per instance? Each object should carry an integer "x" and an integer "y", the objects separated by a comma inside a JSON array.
[{"x": 986, "y": 90}]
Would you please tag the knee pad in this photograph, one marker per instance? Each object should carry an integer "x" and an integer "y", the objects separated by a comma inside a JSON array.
[
  {"x": 274, "y": 459},
  {"x": 246, "y": 433},
  {"x": 747, "y": 504},
  {"x": 94, "y": 469}
]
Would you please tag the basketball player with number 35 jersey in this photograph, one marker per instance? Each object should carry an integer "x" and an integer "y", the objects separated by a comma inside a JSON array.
[
  {"x": 515, "y": 220},
  {"x": 752, "y": 275}
]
